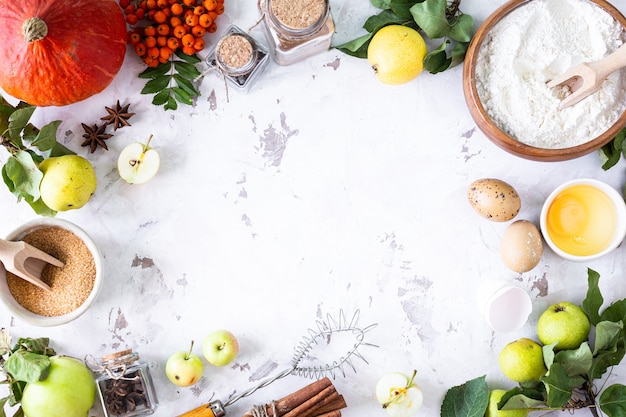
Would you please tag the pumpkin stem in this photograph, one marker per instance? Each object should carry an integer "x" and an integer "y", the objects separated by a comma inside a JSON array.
[{"x": 34, "y": 29}]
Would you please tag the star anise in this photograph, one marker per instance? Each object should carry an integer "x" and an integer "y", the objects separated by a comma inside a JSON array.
[
  {"x": 118, "y": 117},
  {"x": 95, "y": 136}
]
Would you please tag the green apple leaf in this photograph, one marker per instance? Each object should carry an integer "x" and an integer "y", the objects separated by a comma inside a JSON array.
[
  {"x": 593, "y": 301},
  {"x": 18, "y": 121},
  {"x": 576, "y": 361},
  {"x": 615, "y": 312},
  {"x": 28, "y": 366},
  {"x": 430, "y": 16},
  {"x": 605, "y": 359},
  {"x": 462, "y": 28},
  {"x": 548, "y": 354},
  {"x": 467, "y": 400},
  {"x": 22, "y": 176},
  {"x": 46, "y": 138},
  {"x": 559, "y": 386},
  {"x": 608, "y": 334},
  {"x": 402, "y": 8},
  {"x": 3, "y": 401},
  {"x": 5, "y": 342},
  {"x": 437, "y": 60},
  {"x": 384, "y": 18},
  {"x": 613, "y": 401},
  {"x": 356, "y": 47},
  {"x": 381, "y": 4},
  {"x": 523, "y": 397}
]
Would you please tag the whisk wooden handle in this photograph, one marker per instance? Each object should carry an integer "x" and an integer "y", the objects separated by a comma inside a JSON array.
[{"x": 202, "y": 411}]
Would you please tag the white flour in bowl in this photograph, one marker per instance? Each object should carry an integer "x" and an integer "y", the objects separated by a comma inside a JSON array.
[{"x": 530, "y": 46}]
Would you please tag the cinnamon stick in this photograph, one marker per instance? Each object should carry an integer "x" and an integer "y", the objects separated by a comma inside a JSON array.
[
  {"x": 334, "y": 413},
  {"x": 309, "y": 408}
]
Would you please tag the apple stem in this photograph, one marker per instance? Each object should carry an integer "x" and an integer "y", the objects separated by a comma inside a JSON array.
[
  {"x": 412, "y": 378},
  {"x": 190, "y": 347},
  {"x": 145, "y": 148}
]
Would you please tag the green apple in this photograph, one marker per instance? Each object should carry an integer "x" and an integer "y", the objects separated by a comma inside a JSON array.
[
  {"x": 138, "y": 162},
  {"x": 68, "y": 391},
  {"x": 565, "y": 324},
  {"x": 220, "y": 347},
  {"x": 399, "y": 395},
  {"x": 492, "y": 409},
  {"x": 68, "y": 182},
  {"x": 184, "y": 368},
  {"x": 522, "y": 361}
]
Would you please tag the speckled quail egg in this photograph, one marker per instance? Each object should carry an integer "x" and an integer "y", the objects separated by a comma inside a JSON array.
[
  {"x": 494, "y": 199},
  {"x": 521, "y": 247}
]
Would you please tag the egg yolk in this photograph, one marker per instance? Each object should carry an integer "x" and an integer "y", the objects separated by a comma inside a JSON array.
[{"x": 582, "y": 220}]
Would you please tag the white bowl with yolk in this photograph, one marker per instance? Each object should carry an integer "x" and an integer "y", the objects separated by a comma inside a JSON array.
[{"x": 583, "y": 219}]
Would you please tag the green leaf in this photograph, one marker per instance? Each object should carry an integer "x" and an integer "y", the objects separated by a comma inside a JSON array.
[
  {"x": 381, "y": 4},
  {"x": 462, "y": 29},
  {"x": 3, "y": 401},
  {"x": 186, "y": 85},
  {"x": 46, "y": 139},
  {"x": 356, "y": 47},
  {"x": 28, "y": 366},
  {"x": 156, "y": 72},
  {"x": 577, "y": 361},
  {"x": 192, "y": 59},
  {"x": 171, "y": 103},
  {"x": 559, "y": 386},
  {"x": 458, "y": 53},
  {"x": 605, "y": 359},
  {"x": 5, "y": 342},
  {"x": 467, "y": 400},
  {"x": 59, "y": 150},
  {"x": 522, "y": 397},
  {"x": 437, "y": 60},
  {"x": 384, "y": 18},
  {"x": 24, "y": 175},
  {"x": 593, "y": 300},
  {"x": 187, "y": 70},
  {"x": 181, "y": 96},
  {"x": 613, "y": 401},
  {"x": 161, "y": 97},
  {"x": 39, "y": 345},
  {"x": 430, "y": 15},
  {"x": 615, "y": 312},
  {"x": 155, "y": 85},
  {"x": 18, "y": 121},
  {"x": 608, "y": 334},
  {"x": 402, "y": 8},
  {"x": 548, "y": 354}
]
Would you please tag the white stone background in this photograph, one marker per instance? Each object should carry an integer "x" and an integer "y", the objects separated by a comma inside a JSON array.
[{"x": 319, "y": 190}]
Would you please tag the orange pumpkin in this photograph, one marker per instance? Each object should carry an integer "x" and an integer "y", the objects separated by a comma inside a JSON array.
[{"x": 58, "y": 52}]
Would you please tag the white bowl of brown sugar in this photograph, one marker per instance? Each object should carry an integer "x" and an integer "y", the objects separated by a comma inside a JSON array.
[{"x": 74, "y": 287}]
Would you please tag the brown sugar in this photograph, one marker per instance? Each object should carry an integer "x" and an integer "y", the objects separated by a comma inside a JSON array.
[
  {"x": 298, "y": 14},
  {"x": 235, "y": 51},
  {"x": 70, "y": 285}
]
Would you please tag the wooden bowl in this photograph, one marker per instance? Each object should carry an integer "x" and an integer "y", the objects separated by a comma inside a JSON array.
[{"x": 492, "y": 131}]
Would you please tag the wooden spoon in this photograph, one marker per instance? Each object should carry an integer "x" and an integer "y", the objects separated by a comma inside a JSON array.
[
  {"x": 26, "y": 261},
  {"x": 586, "y": 78}
]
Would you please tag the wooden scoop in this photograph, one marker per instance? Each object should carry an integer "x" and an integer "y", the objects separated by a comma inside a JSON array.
[
  {"x": 586, "y": 78},
  {"x": 26, "y": 261}
]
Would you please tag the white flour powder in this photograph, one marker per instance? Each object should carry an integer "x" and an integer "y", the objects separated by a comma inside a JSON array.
[{"x": 532, "y": 45}]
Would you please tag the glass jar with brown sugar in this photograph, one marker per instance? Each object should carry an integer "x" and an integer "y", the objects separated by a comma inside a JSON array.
[
  {"x": 238, "y": 57},
  {"x": 297, "y": 29}
]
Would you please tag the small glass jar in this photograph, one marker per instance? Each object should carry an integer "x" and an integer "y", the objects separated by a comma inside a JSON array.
[
  {"x": 125, "y": 386},
  {"x": 297, "y": 29},
  {"x": 239, "y": 57}
]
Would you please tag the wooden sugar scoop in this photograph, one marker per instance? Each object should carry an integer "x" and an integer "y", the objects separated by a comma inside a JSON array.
[
  {"x": 587, "y": 78},
  {"x": 26, "y": 261}
]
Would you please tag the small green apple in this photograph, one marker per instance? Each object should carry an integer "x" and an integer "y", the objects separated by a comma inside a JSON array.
[
  {"x": 68, "y": 182},
  {"x": 68, "y": 391},
  {"x": 220, "y": 347},
  {"x": 138, "y": 162},
  {"x": 565, "y": 324},
  {"x": 492, "y": 409},
  {"x": 522, "y": 361},
  {"x": 399, "y": 395},
  {"x": 184, "y": 368}
]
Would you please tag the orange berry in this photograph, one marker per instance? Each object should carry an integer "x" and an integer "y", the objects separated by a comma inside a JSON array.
[
  {"x": 163, "y": 29},
  {"x": 140, "y": 13},
  {"x": 150, "y": 31},
  {"x": 162, "y": 4},
  {"x": 173, "y": 43},
  {"x": 153, "y": 52},
  {"x": 150, "y": 41},
  {"x": 175, "y": 21},
  {"x": 198, "y": 44},
  {"x": 151, "y": 4},
  {"x": 140, "y": 49},
  {"x": 205, "y": 20},
  {"x": 150, "y": 61},
  {"x": 198, "y": 31},
  {"x": 188, "y": 40},
  {"x": 220, "y": 9},
  {"x": 212, "y": 28},
  {"x": 189, "y": 3},
  {"x": 213, "y": 15},
  {"x": 198, "y": 10},
  {"x": 162, "y": 41},
  {"x": 124, "y": 3},
  {"x": 132, "y": 19},
  {"x": 189, "y": 50},
  {"x": 177, "y": 9},
  {"x": 191, "y": 20},
  {"x": 134, "y": 38},
  {"x": 210, "y": 5},
  {"x": 179, "y": 31},
  {"x": 165, "y": 52},
  {"x": 159, "y": 17}
]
